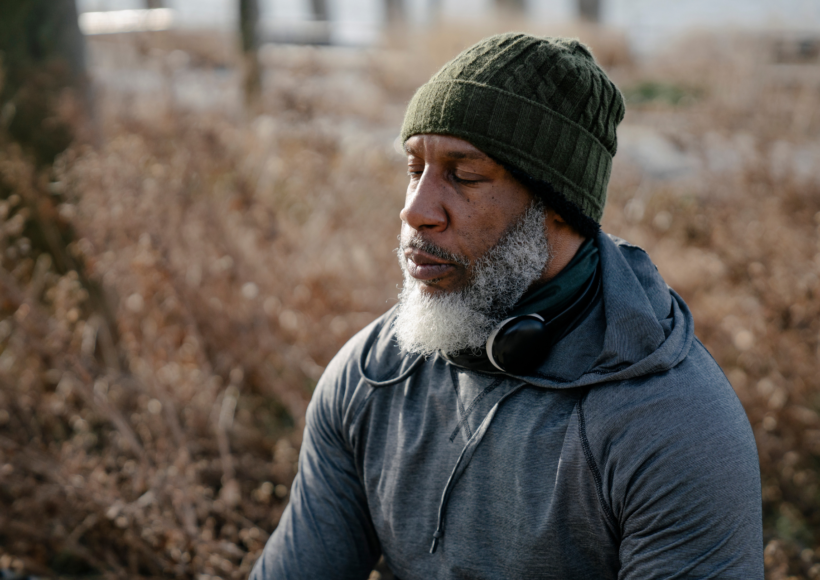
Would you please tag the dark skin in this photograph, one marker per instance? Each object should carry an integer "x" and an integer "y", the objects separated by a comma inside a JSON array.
[{"x": 463, "y": 201}]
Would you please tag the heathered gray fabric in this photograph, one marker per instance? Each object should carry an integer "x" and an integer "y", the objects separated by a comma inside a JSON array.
[{"x": 626, "y": 455}]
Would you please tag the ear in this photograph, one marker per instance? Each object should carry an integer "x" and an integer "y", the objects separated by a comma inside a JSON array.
[
  {"x": 553, "y": 218},
  {"x": 557, "y": 227},
  {"x": 564, "y": 241}
]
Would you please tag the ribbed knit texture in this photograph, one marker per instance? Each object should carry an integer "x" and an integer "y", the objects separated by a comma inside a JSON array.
[{"x": 542, "y": 105}]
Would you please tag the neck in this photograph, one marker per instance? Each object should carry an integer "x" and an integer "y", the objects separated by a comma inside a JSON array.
[
  {"x": 564, "y": 244},
  {"x": 562, "y": 255},
  {"x": 558, "y": 292}
]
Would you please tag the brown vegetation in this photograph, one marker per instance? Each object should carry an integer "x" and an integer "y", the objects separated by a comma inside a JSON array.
[{"x": 235, "y": 256}]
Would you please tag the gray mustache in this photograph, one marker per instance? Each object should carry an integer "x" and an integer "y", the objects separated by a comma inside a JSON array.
[{"x": 417, "y": 242}]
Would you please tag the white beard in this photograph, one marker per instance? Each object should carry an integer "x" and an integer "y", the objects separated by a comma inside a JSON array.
[{"x": 462, "y": 320}]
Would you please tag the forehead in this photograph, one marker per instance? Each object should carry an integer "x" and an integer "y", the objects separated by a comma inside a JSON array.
[{"x": 429, "y": 145}]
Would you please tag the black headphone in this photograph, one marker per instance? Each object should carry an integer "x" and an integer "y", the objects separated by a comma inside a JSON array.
[{"x": 518, "y": 345}]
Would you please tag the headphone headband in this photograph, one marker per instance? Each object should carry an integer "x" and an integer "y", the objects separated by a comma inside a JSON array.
[
  {"x": 519, "y": 343},
  {"x": 501, "y": 328}
]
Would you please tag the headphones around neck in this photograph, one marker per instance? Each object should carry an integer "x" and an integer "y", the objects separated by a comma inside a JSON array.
[
  {"x": 511, "y": 342},
  {"x": 518, "y": 345}
]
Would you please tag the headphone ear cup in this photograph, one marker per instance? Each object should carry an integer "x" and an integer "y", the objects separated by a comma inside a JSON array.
[{"x": 518, "y": 345}]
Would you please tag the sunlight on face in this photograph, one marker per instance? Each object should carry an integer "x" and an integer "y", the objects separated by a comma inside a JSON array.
[{"x": 462, "y": 319}]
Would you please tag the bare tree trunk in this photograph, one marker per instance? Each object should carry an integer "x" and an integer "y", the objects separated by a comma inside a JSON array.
[
  {"x": 394, "y": 11},
  {"x": 515, "y": 6},
  {"x": 321, "y": 18},
  {"x": 590, "y": 10},
  {"x": 248, "y": 24},
  {"x": 320, "y": 11},
  {"x": 44, "y": 104},
  {"x": 43, "y": 64}
]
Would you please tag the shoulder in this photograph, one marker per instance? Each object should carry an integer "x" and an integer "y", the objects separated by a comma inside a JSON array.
[
  {"x": 629, "y": 250},
  {"x": 678, "y": 471},
  {"x": 692, "y": 399},
  {"x": 682, "y": 428},
  {"x": 342, "y": 388}
]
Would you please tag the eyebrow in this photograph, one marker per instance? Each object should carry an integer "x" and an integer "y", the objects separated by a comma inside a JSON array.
[
  {"x": 478, "y": 155},
  {"x": 465, "y": 155}
]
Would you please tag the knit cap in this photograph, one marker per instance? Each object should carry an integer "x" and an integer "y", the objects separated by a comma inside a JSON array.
[{"x": 541, "y": 105}]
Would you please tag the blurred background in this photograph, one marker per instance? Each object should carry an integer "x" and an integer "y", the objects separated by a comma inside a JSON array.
[{"x": 199, "y": 205}]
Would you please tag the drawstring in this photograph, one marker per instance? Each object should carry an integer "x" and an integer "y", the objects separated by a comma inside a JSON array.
[
  {"x": 461, "y": 465},
  {"x": 366, "y": 349},
  {"x": 466, "y": 453}
]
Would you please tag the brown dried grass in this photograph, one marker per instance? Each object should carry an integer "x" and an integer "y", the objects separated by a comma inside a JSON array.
[{"x": 238, "y": 255}]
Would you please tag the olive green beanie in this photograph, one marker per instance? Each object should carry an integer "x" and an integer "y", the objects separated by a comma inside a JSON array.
[{"x": 540, "y": 105}]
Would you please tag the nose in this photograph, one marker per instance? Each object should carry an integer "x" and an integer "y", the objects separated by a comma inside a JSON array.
[{"x": 423, "y": 205}]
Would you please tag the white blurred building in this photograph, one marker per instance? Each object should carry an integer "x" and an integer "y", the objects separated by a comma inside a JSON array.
[{"x": 647, "y": 23}]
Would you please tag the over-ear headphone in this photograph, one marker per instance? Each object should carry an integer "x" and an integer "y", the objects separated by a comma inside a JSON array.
[
  {"x": 519, "y": 344},
  {"x": 516, "y": 345},
  {"x": 516, "y": 340}
]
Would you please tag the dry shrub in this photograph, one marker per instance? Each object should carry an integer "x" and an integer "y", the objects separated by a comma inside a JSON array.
[
  {"x": 738, "y": 240},
  {"x": 434, "y": 46},
  {"x": 237, "y": 258},
  {"x": 237, "y": 255}
]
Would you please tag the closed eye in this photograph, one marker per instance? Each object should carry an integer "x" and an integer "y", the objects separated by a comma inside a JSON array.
[
  {"x": 415, "y": 170},
  {"x": 458, "y": 179},
  {"x": 467, "y": 180}
]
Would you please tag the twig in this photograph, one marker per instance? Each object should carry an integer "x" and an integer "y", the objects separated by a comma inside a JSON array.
[{"x": 106, "y": 408}]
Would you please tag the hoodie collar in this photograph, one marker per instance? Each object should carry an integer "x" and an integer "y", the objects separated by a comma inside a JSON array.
[
  {"x": 640, "y": 326},
  {"x": 558, "y": 293}
]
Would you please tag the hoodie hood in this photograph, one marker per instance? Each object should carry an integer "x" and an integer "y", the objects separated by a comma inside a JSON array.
[{"x": 647, "y": 327}]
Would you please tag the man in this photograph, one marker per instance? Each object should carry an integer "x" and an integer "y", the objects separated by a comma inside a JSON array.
[{"x": 537, "y": 405}]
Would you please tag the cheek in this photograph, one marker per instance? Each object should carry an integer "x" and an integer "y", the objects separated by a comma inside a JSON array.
[
  {"x": 478, "y": 236},
  {"x": 483, "y": 227}
]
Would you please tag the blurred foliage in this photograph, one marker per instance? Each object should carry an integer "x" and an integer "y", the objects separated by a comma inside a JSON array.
[
  {"x": 649, "y": 91},
  {"x": 42, "y": 56},
  {"x": 237, "y": 255}
]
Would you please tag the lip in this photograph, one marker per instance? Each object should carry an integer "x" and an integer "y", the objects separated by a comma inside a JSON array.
[{"x": 425, "y": 267}]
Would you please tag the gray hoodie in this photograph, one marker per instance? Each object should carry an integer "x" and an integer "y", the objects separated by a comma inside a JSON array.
[{"x": 625, "y": 455}]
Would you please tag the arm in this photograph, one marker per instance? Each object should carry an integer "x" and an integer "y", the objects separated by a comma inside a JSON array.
[
  {"x": 680, "y": 473},
  {"x": 693, "y": 510},
  {"x": 325, "y": 531}
]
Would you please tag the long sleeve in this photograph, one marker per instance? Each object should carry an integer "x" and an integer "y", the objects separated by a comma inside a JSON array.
[
  {"x": 680, "y": 475},
  {"x": 702, "y": 522},
  {"x": 326, "y": 530}
]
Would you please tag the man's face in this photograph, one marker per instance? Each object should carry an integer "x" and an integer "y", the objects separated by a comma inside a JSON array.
[
  {"x": 473, "y": 241},
  {"x": 458, "y": 200}
]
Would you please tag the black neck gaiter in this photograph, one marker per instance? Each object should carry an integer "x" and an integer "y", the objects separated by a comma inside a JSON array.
[{"x": 558, "y": 293}]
